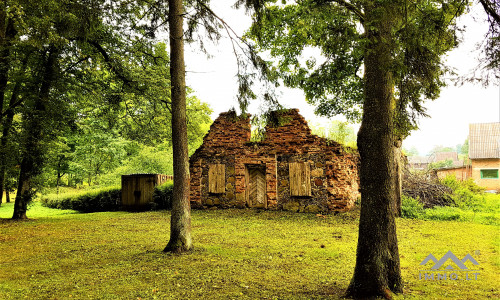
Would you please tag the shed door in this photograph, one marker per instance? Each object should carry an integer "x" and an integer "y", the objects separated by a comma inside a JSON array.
[{"x": 256, "y": 187}]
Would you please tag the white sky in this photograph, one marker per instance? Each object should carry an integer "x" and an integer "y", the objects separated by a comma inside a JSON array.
[{"x": 214, "y": 82}]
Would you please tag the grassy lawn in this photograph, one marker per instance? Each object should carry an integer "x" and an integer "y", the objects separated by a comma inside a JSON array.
[{"x": 248, "y": 254}]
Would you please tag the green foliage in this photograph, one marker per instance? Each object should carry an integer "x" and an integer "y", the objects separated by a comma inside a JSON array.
[
  {"x": 339, "y": 131},
  {"x": 421, "y": 32},
  {"x": 441, "y": 164},
  {"x": 464, "y": 148},
  {"x": 411, "y": 208},
  {"x": 94, "y": 200},
  {"x": 467, "y": 194},
  {"x": 471, "y": 205},
  {"x": 104, "y": 199},
  {"x": 440, "y": 148},
  {"x": 413, "y": 151},
  {"x": 162, "y": 195},
  {"x": 443, "y": 213}
]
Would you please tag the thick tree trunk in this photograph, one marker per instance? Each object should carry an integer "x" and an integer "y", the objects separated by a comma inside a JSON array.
[
  {"x": 377, "y": 270},
  {"x": 180, "y": 223},
  {"x": 24, "y": 190},
  {"x": 32, "y": 153}
]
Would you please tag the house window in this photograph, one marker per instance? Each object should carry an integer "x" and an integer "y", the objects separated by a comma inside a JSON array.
[
  {"x": 489, "y": 174},
  {"x": 300, "y": 179},
  {"x": 216, "y": 178}
]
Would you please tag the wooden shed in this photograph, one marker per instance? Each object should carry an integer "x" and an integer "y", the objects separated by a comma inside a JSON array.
[{"x": 137, "y": 189}]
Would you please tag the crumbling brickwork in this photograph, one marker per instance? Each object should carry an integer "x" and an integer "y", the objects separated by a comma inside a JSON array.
[{"x": 261, "y": 174}]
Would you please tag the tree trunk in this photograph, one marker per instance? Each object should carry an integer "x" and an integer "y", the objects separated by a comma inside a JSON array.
[
  {"x": 58, "y": 181},
  {"x": 24, "y": 190},
  {"x": 32, "y": 153},
  {"x": 7, "y": 34},
  {"x": 6, "y": 128},
  {"x": 377, "y": 270},
  {"x": 7, "y": 195},
  {"x": 180, "y": 223}
]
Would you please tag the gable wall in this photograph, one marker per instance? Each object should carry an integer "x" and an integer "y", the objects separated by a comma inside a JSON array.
[
  {"x": 333, "y": 180},
  {"x": 478, "y": 165}
]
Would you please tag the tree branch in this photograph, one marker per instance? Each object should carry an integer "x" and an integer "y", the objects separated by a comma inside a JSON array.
[
  {"x": 490, "y": 10},
  {"x": 110, "y": 62}
]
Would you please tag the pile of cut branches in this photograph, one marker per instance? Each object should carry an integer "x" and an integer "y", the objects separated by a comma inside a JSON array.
[{"x": 426, "y": 188}]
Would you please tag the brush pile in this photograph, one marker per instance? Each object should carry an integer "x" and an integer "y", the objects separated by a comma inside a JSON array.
[{"x": 427, "y": 189}]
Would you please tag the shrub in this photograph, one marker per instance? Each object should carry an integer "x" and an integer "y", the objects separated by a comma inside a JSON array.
[
  {"x": 469, "y": 184},
  {"x": 162, "y": 196},
  {"x": 466, "y": 194},
  {"x": 411, "y": 208},
  {"x": 103, "y": 199}
]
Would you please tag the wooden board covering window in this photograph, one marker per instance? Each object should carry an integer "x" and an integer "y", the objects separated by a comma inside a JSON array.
[
  {"x": 216, "y": 178},
  {"x": 300, "y": 179}
]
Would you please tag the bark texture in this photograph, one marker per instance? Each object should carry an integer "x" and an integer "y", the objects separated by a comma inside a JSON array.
[
  {"x": 377, "y": 271},
  {"x": 180, "y": 223},
  {"x": 32, "y": 153}
]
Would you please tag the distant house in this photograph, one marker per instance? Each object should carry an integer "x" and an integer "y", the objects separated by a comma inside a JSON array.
[
  {"x": 439, "y": 156},
  {"x": 418, "y": 162},
  {"x": 444, "y": 156},
  {"x": 422, "y": 162},
  {"x": 484, "y": 153}
]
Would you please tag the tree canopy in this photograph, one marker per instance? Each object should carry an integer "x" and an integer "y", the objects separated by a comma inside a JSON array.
[
  {"x": 77, "y": 76},
  {"x": 294, "y": 33}
]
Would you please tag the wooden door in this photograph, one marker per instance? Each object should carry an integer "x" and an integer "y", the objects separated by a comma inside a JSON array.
[{"x": 256, "y": 187}]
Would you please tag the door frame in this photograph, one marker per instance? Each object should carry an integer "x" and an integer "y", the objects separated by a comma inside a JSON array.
[{"x": 261, "y": 167}]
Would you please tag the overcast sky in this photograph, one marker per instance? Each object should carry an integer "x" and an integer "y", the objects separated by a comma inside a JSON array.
[{"x": 214, "y": 82}]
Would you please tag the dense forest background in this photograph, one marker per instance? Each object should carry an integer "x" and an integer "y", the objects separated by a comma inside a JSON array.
[{"x": 84, "y": 95}]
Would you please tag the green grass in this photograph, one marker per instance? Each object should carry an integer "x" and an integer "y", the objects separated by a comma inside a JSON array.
[
  {"x": 35, "y": 210},
  {"x": 239, "y": 254}
]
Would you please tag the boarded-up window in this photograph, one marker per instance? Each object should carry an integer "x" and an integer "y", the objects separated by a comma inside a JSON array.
[
  {"x": 300, "y": 179},
  {"x": 216, "y": 178}
]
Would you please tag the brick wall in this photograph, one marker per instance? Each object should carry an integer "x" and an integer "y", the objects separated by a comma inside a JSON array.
[{"x": 334, "y": 170}]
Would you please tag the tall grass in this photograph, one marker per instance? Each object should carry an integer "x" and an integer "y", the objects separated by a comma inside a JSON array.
[{"x": 470, "y": 204}]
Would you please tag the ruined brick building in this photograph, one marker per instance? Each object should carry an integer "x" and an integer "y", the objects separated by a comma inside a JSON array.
[{"x": 289, "y": 169}]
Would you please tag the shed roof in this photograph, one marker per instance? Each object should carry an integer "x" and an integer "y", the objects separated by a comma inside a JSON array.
[
  {"x": 484, "y": 140},
  {"x": 439, "y": 156},
  {"x": 418, "y": 159}
]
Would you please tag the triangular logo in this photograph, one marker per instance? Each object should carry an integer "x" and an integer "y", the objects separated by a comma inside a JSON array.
[
  {"x": 429, "y": 257},
  {"x": 469, "y": 257},
  {"x": 453, "y": 258}
]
